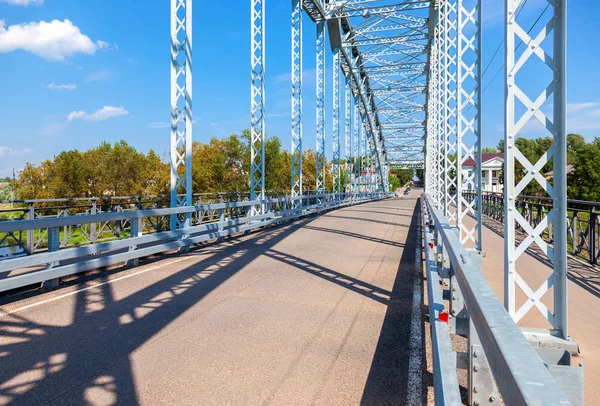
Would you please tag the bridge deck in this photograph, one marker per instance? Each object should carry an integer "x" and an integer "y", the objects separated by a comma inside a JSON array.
[{"x": 317, "y": 311}]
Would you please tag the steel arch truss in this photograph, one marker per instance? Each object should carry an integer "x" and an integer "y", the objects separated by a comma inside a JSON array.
[{"x": 383, "y": 57}]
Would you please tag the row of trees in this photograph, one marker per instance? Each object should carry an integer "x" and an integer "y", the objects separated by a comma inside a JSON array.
[
  {"x": 583, "y": 160},
  {"x": 120, "y": 170},
  {"x": 400, "y": 177}
]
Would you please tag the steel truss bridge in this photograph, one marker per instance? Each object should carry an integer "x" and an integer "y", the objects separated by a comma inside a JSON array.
[{"x": 407, "y": 93}]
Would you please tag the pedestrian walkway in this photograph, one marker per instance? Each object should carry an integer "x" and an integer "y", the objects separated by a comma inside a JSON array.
[{"x": 583, "y": 291}]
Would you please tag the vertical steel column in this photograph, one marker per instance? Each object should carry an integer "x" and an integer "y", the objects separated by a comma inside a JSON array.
[
  {"x": 320, "y": 71},
  {"x": 356, "y": 149},
  {"x": 336, "y": 175},
  {"x": 365, "y": 161},
  {"x": 440, "y": 131},
  {"x": 257, "y": 100},
  {"x": 360, "y": 152},
  {"x": 429, "y": 134},
  {"x": 442, "y": 98},
  {"x": 435, "y": 145},
  {"x": 560, "y": 168},
  {"x": 469, "y": 120},
  {"x": 514, "y": 186},
  {"x": 449, "y": 102},
  {"x": 348, "y": 127},
  {"x": 296, "y": 101},
  {"x": 373, "y": 170},
  {"x": 181, "y": 109}
]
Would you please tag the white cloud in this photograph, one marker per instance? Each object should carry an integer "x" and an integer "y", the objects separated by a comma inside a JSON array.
[
  {"x": 54, "y": 86},
  {"x": 98, "y": 76},
  {"x": 158, "y": 124},
  {"x": 581, "y": 117},
  {"x": 308, "y": 77},
  {"x": 54, "y": 41},
  {"x": 104, "y": 113},
  {"x": 23, "y": 2},
  {"x": 53, "y": 128},
  {"x": 7, "y": 151}
]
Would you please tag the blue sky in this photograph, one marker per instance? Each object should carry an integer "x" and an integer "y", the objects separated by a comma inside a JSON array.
[{"x": 108, "y": 78}]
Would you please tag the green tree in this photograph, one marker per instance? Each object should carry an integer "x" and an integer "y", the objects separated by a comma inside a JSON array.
[
  {"x": 575, "y": 143},
  {"x": 395, "y": 183},
  {"x": 584, "y": 181},
  {"x": 489, "y": 150},
  {"x": 420, "y": 172},
  {"x": 500, "y": 147}
]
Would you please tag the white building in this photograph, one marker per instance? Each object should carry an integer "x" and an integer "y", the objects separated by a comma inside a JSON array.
[{"x": 491, "y": 171}]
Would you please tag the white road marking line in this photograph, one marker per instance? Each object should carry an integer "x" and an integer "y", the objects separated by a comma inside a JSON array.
[
  {"x": 415, "y": 379},
  {"x": 29, "y": 306}
]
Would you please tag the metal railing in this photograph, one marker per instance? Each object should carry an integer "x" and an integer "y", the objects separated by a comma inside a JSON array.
[
  {"x": 140, "y": 237},
  {"x": 583, "y": 227},
  {"x": 499, "y": 357},
  {"x": 34, "y": 241}
]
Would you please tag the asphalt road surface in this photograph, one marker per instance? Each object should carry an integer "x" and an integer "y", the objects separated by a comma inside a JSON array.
[{"x": 319, "y": 311}]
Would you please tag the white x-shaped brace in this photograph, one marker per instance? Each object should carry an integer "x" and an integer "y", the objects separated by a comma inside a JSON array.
[
  {"x": 533, "y": 108},
  {"x": 469, "y": 233},
  {"x": 534, "y": 46},
  {"x": 534, "y": 298},
  {"x": 468, "y": 44},
  {"x": 534, "y": 171},
  {"x": 468, "y": 16},
  {"x": 534, "y": 235}
]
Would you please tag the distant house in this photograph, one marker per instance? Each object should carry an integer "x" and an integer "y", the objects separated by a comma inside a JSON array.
[
  {"x": 491, "y": 168},
  {"x": 550, "y": 175}
]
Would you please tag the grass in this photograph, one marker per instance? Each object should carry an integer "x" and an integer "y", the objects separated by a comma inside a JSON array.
[{"x": 7, "y": 212}]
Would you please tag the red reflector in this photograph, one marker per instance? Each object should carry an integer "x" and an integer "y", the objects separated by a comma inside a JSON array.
[
  {"x": 443, "y": 317},
  {"x": 431, "y": 245}
]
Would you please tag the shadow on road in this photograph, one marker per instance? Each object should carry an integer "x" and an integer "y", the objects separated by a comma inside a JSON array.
[
  {"x": 45, "y": 363},
  {"x": 389, "y": 374}
]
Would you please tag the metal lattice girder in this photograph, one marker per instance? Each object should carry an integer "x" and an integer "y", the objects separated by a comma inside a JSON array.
[
  {"x": 383, "y": 53},
  {"x": 469, "y": 120},
  {"x": 296, "y": 99},
  {"x": 336, "y": 172},
  {"x": 355, "y": 143},
  {"x": 257, "y": 95},
  {"x": 440, "y": 107},
  {"x": 554, "y": 58},
  {"x": 347, "y": 126},
  {"x": 361, "y": 8},
  {"x": 357, "y": 150},
  {"x": 181, "y": 109},
  {"x": 320, "y": 80},
  {"x": 449, "y": 99},
  {"x": 433, "y": 145}
]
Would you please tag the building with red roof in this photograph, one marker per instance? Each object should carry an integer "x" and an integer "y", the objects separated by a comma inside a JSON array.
[{"x": 491, "y": 168}]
